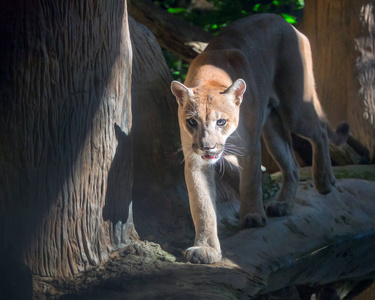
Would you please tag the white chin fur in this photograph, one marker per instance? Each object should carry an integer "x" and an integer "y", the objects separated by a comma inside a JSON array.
[{"x": 210, "y": 161}]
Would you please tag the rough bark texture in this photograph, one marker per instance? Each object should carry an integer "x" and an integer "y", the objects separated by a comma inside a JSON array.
[
  {"x": 341, "y": 34},
  {"x": 181, "y": 38},
  {"x": 65, "y": 119}
]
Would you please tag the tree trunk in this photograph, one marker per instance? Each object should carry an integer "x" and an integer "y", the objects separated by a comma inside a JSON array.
[
  {"x": 341, "y": 34},
  {"x": 65, "y": 119}
]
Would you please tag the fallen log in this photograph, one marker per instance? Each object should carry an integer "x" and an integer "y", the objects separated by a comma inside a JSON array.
[{"x": 329, "y": 238}]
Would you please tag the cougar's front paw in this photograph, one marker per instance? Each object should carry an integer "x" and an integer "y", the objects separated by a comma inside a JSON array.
[
  {"x": 252, "y": 220},
  {"x": 202, "y": 255},
  {"x": 279, "y": 209}
]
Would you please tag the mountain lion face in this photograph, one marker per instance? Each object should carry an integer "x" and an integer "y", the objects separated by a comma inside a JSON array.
[{"x": 209, "y": 114}]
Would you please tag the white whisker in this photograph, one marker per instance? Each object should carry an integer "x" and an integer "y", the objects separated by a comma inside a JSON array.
[
  {"x": 233, "y": 149},
  {"x": 218, "y": 162},
  {"x": 233, "y": 152},
  {"x": 190, "y": 114},
  {"x": 230, "y": 165},
  {"x": 187, "y": 151},
  {"x": 187, "y": 155},
  {"x": 238, "y": 135},
  {"x": 221, "y": 163}
]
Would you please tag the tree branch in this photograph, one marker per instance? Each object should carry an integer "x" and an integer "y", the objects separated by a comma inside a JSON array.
[{"x": 174, "y": 34}]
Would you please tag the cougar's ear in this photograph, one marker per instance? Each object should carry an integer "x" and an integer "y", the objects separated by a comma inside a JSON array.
[
  {"x": 181, "y": 92},
  {"x": 237, "y": 89}
]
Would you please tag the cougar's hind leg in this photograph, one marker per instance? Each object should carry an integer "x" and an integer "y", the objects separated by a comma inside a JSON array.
[
  {"x": 300, "y": 108},
  {"x": 311, "y": 122},
  {"x": 278, "y": 141},
  {"x": 312, "y": 127},
  {"x": 324, "y": 180}
]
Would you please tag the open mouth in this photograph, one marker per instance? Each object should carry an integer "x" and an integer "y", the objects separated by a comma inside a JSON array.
[{"x": 210, "y": 156}]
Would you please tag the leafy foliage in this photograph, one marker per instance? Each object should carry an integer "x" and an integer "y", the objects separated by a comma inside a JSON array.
[
  {"x": 177, "y": 67},
  {"x": 220, "y": 13},
  {"x": 223, "y": 12}
]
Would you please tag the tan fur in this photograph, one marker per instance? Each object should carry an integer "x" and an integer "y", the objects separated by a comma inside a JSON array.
[{"x": 255, "y": 79}]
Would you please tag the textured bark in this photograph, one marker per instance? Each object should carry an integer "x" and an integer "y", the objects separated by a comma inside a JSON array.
[
  {"x": 65, "y": 117},
  {"x": 341, "y": 33},
  {"x": 181, "y": 38}
]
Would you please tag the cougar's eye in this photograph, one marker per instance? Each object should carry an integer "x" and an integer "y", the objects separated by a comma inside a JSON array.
[
  {"x": 221, "y": 122},
  {"x": 192, "y": 122}
]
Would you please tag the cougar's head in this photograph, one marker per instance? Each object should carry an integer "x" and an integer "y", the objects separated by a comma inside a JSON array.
[{"x": 208, "y": 114}]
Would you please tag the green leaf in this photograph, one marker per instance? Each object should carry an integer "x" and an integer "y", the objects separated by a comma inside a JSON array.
[
  {"x": 290, "y": 19},
  {"x": 176, "y": 10}
]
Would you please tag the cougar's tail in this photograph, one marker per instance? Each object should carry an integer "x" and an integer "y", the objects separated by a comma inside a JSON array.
[{"x": 339, "y": 136}]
